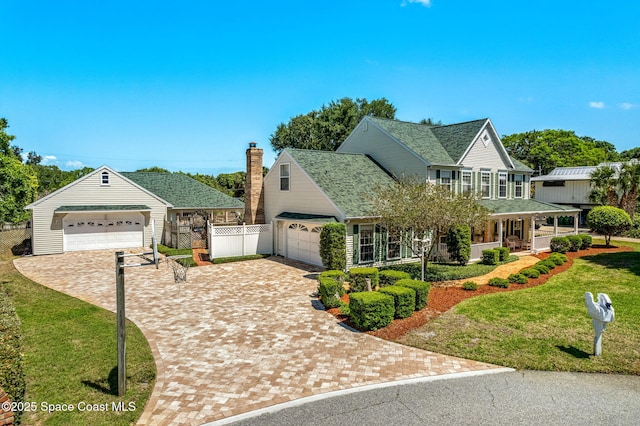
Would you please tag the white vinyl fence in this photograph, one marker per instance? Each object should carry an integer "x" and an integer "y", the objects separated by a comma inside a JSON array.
[{"x": 241, "y": 240}]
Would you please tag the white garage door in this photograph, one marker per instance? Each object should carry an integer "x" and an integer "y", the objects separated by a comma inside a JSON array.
[
  {"x": 303, "y": 243},
  {"x": 102, "y": 231}
]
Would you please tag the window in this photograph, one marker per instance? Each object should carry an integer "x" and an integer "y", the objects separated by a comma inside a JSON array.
[
  {"x": 518, "y": 186},
  {"x": 393, "y": 245},
  {"x": 104, "y": 178},
  {"x": 445, "y": 179},
  {"x": 466, "y": 182},
  {"x": 284, "y": 177},
  {"x": 366, "y": 244},
  {"x": 485, "y": 184},
  {"x": 502, "y": 185}
]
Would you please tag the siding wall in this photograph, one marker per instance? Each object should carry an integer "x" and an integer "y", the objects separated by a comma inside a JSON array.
[
  {"x": 574, "y": 192},
  {"x": 489, "y": 157},
  {"x": 367, "y": 138},
  {"x": 47, "y": 226},
  {"x": 303, "y": 195}
]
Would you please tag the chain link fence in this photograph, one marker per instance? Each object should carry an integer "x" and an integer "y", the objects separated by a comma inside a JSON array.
[{"x": 15, "y": 238}]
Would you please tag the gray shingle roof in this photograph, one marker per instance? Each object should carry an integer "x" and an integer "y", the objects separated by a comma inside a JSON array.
[
  {"x": 182, "y": 191},
  {"x": 349, "y": 180},
  {"x": 525, "y": 206}
]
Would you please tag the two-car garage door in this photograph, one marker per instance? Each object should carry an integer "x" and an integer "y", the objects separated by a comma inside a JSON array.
[
  {"x": 96, "y": 231},
  {"x": 303, "y": 243}
]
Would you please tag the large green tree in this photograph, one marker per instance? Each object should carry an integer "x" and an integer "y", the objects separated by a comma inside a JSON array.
[
  {"x": 326, "y": 128},
  {"x": 608, "y": 221},
  {"x": 630, "y": 154},
  {"x": 18, "y": 181},
  {"x": 544, "y": 150},
  {"x": 617, "y": 187}
]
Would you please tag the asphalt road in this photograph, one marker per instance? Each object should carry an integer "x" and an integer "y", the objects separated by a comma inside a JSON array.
[{"x": 507, "y": 398}]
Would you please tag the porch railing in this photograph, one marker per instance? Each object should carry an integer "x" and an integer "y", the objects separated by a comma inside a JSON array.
[{"x": 476, "y": 249}]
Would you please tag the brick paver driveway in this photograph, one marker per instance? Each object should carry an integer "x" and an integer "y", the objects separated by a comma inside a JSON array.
[{"x": 236, "y": 337}]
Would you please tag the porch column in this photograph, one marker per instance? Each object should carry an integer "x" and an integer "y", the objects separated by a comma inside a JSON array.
[
  {"x": 533, "y": 233},
  {"x": 500, "y": 232},
  {"x": 555, "y": 225},
  {"x": 575, "y": 223}
]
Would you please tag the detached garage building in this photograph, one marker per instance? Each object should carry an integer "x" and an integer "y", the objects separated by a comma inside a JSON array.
[{"x": 109, "y": 210}]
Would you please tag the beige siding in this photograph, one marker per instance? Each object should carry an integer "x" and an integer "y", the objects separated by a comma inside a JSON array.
[
  {"x": 369, "y": 139},
  {"x": 303, "y": 195},
  {"x": 574, "y": 192},
  {"x": 47, "y": 225},
  {"x": 490, "y": 156}
]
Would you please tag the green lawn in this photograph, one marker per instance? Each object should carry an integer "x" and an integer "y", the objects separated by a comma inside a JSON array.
[
  {"x": 70, "y": 357},
  {"x": 547, "y": 327}
]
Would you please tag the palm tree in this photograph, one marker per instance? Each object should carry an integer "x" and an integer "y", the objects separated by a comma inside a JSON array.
[{"x": 603, "y": 183}]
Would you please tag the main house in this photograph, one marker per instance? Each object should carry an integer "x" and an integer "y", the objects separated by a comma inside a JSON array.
[
  {"x": 305, "y": 189},
  {"x": 106, "y": 209}
]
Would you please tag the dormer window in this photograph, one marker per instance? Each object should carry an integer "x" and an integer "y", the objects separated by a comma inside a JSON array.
[{"x": 104, "y": 178}]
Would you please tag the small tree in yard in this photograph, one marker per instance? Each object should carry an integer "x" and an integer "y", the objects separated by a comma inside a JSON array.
[
  {"x": 608, "y": 221},
  {"x": 333, "y": 246},
  {"x": 426, "y": 210}
]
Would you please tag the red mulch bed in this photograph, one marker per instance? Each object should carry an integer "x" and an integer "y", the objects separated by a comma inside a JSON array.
[{"x": 444, "y": 298}]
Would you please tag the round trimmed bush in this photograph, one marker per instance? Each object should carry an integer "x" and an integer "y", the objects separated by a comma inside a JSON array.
[
  {"x": 575, "y": 242},
  {"x": 587, "y": 240},
  {"x": 390, "y": 277},
  {"x": 560, "y": 244},
  {"x": 555, "y": 259},
  {"x": 548, "y": 263},
  {"x": 518, "y": 279},
  {"x": 499, "y": 282},
  {"x": 469, "y": 286},
  {"x": 540, "y": 267},
  {"x": 530, "y": 272}
]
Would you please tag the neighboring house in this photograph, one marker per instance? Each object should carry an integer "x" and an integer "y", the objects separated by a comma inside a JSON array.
[
  {"x": 569, "y": 186},
  {"x": 306, "y": 188},
  {"x": 106, "y": 209}
]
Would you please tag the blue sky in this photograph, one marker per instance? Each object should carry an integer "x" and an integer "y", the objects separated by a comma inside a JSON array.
[{"x": 186, "y": 85}]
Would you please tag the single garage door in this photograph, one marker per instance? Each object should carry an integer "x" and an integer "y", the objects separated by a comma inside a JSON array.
[
  {"x": 102, "y": 231},
  {"x": 303, "y": 243}
]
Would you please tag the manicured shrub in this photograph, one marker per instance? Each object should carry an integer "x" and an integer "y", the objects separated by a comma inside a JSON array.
[
  {"x": 459, "y": 243},
  {"x": 330, "y": 290},
  {"x": 608, "y": 221},
  {"x": 518, "y": 279},
  {"x": 390, "y": 277},
  {"x": 530, "y": 272},
  {"x": 359, "y": 276},
  {"x": 563, "y": 257},
  {"x": 333, "y": 246},
  {"x": 490, "y": 257},
  {"x": 575, "y": 242},
  {"x": 499, "y": 282},
  {"x": 587, "y": 241},
  {"x": 421, "y": 289},
  {"x": 469, "y": 286},
  {"x": 560, "y": 244},
  {"x": 540, "y": 267},
  {"x": 503, "y": 253},
  {"x": 371, "y": 310},
  {"x": 548, "y": 263},
  {"x": 553, "y": 257},
  {"x": 404, "y": 299},
  {"x": 11, "y": 368}
]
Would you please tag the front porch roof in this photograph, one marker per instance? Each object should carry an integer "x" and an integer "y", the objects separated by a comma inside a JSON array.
[{"x": 526, "y": 207}]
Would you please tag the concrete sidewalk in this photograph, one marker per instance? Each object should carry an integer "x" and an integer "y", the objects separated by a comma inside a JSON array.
[{"x": 237, "y": 337}]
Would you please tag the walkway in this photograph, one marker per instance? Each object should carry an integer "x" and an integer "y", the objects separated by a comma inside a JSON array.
[
  {"x": 502, "y": 271},
  {"x": 237, "y": 337}
]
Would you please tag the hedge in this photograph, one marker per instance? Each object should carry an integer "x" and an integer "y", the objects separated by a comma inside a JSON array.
[
  {"x": 339, "y": 276},
  {"x": 333, "y": 245},
  {"x": 469, "y": 286},
  {"x": 459, "y": 243},
  {"x": 503, "y": 253},
  {"x": 518, "y": 279},
  {"x": 560, "y": 244},
  {"x": 421, "y": 289},
  {"x": 530, "y": 272},
  {"x": 358, "y": 278},
  {"x": 499, "y": 282},
  {"x": 587, "y": 240},
  {"x": 490, "y": 257},
  {"x": 390, "y": 277},
  {"x": 555, "y": 259},
  {"x": 549, "y": 263},
  {"x": 371, "y": 310},
  {"x": 575, "y": 242},
  {"x": 330, "y": 291},
  {"x": 541, "y": 267},
  {"x": 11, "y": 370},
  {"x": 404, "y": 299}
]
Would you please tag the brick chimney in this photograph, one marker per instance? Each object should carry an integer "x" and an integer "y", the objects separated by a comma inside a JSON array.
[{"x": 253, "y": 190}]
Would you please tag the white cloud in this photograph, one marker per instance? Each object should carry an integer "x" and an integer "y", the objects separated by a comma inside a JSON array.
[
  {"x": 597, "y": 105},
  {"x": 48, "y": 160},
  {"x": 74, "y": 164},
  {"x": 425, "y": 3},
  {"x": 627, "y": 105}
]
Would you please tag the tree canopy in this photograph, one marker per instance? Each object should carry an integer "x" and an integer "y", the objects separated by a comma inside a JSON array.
[
  {"x": 617, "y": 188},
  {"x": 544, "y": 150},
  {"x": 608, "y": 221},
  {"x": 326, "y": 128}
]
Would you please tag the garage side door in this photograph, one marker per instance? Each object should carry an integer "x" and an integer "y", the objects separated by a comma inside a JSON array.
[
  {"x": 102, "y": 231},
  {"x": 303, "y": 243}
]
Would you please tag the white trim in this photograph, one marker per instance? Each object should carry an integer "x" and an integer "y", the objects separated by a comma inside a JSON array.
[
  {"x": 288, "y": 177},
  {"x": 506, "y": 184},
  {"x": 488, "y": 125}
]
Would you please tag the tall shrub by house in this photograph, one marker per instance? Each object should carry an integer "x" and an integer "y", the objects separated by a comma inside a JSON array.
[
  {"x": 333, "y": 246},
  {"x": 459, "y": 243}
]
